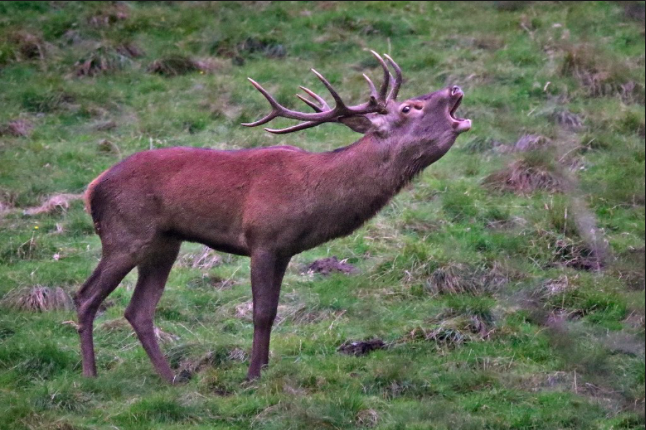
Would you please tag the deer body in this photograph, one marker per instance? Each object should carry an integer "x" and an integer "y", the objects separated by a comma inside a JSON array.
[{"x": 268, "y": 203}]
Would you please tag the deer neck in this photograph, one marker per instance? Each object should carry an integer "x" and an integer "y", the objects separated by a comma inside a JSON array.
[{"x": 368, "y": 173}]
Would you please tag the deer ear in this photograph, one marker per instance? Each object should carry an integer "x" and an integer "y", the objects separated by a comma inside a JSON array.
[
  {"x": 363, "y": 123},
  {"x": 360, "y": 124}
]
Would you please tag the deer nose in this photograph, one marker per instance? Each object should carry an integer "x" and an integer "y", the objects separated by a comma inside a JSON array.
[{"x": 456, "y": 90}]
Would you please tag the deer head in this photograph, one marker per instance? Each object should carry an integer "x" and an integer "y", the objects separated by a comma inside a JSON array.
[{"x": 428, "y": 122}]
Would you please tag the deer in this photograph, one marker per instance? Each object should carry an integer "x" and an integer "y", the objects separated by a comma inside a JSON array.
[{"x": 267, "y": 203}]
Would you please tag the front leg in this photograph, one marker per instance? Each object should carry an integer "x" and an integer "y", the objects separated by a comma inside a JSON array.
[{"x": 267, "y": 270}]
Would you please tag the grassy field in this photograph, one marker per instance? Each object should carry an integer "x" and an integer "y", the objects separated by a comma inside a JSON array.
[{"x": 506, "y": 284}]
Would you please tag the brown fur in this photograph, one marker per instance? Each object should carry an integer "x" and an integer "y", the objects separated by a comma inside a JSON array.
[{"x": 268, "y": 203}]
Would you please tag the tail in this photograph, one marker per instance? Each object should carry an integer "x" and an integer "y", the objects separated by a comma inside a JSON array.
[{"x": 87, "y": 198}]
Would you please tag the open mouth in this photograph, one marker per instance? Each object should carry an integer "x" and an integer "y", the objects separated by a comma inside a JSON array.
[
  {"x": 455, "y": 108},
  {"x": 459, "y": 124}
]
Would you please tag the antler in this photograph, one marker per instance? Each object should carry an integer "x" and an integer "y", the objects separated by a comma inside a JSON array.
[{"x": 322, "y": 111}]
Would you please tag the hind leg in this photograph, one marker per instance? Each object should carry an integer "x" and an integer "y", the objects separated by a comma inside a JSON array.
[
  {"x": 105, "y": 278},
  {"x": 153, "y": 273}
]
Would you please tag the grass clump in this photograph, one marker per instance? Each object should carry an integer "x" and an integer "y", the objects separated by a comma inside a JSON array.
[
  {"x": 454, "y": 279},
  {"x": 599, "y": 75},
  {"x": 25, "y": 45},
  {"x": 108, "y": 15},
  {"x": 17, "y": 128},
  {"x": 103, "y": 59},
  {"x": 54, "y": 203},
  {"x": 527, "y": 175},
  {"x": 176, "y": 65},
  {"x": 39, "y": 299}
]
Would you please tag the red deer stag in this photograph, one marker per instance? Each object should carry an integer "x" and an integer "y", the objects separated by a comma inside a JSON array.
[{"x": 266, "y": 203}]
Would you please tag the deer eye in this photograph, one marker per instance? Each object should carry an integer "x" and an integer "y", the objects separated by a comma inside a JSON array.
[{"x": 406, "y": 109}]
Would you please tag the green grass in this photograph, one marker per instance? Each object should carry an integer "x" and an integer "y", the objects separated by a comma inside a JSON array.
[{"x": 562, "y": 346}]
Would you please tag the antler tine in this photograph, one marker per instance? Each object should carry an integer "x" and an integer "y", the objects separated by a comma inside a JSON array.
[
  {"x": 310, "y": 103},
  {"x": 274, "y": 104},
  {"x": 337, "y": 99},
  {"x": 398, "y": 78},
  {"x": 316, "y": 97},
  {"x": 262, "y": 121},
  {"x": 384, "y": 86},
  {"x": 373, "y": 90},
  {"x": 322, "y": 106},
  {"x": 297, "y": 127}
]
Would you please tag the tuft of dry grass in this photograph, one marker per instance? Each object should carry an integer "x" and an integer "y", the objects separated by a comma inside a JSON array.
[
  {"x": 443, "y": 336},
  {"x": 115, "y": 326},
  {"x": 29, "y": 46},
  {"x": 103, "y": 59},
  {"x": 576, "y": 254},
  {"x": 453, "y": 328},
  {"x": 526, "y": 143},
  {"x": 531, "y": 142},
  {"x": 109, "y": 16},
  {"x": 4, "y": 208},
  {"x": 567, "y": 119},
  {"x": 599, "y": 76},
  {"x": 526, "y": 176},
  {"x": 358, "y": 348},
  {"x": 165, "y": 337},
  {"x": 456, "y": 278},
  {"x": 367, "y": 418},
  {"x": 107, "y": 146},
  {"x": 55, "y": 202},
  {"x": 121, "y": 325},
  {"x": 17, "y": 128},
  {"x": 175, "y": 65},
  {"x": 511, "y": 6},
  {"x": 130, "y": 50},
  {"x": 191, "y": 358},
  {"x": 38, "y": 299},
  {"x": 205, "y": 259}
]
